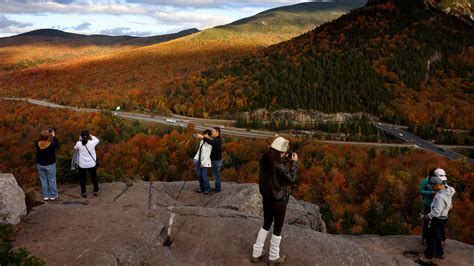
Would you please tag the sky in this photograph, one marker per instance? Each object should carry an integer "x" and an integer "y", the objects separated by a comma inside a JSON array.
[{"x": 125, "y": 17}]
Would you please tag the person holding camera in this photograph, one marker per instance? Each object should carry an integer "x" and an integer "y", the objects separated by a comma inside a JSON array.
[
  {"x": 46, "y": 148},
  {"x": 87, "y": 161},
  {"x": 202, "y": 161},
  {"x": 275, "y": 179},
  {"x": 214, "y": 139}
]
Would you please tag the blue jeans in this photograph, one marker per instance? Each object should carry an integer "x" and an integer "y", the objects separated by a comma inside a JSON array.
[
  {"x": 47, "y": 175},
  {"x": 201, "y": 173},
  {"x": 216, "y": 168}
]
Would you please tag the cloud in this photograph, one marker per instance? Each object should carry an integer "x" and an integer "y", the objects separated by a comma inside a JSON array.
[
  {"x": 212, "y": 3},
  {"x": 83, "y": 26},
  {"x": 5, "y": 23},
  {"x": 119, "y": 31},
  {"x": 129, "y": 7}
]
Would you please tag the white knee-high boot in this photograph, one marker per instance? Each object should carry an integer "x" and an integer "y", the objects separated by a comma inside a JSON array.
[
  {"x": 259, "y": 243},
  {"x": 274, "y": 248}
]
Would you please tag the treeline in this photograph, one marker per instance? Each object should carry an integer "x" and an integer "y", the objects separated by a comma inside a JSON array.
[
  {"x": 359, "y": 190},
  {"x": 396, "y": 60}
]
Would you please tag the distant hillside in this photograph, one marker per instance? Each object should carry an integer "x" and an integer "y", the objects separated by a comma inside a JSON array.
[
  {"x": 283, "y": 23},
  {"x": 49, "y": 46},
  {"x": 65, "y": 38},
  {"x": 132, "y": 78},
  {"x": 397, "y": 59}
]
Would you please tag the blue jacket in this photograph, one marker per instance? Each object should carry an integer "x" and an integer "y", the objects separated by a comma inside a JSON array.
[{"x": 426, "y": 189}]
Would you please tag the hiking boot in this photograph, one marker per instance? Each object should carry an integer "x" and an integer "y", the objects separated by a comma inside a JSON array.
[
  {"x": 55, "y": 197},
  {"x": 84, "y": 195},
  {"x": 257, "y": 259},
  {"x": 280, "y": 260}
]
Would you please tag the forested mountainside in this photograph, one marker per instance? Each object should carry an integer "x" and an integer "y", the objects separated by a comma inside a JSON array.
[
  {"x": 133, "y": 77},
  {"x": 400, "y": 60}
]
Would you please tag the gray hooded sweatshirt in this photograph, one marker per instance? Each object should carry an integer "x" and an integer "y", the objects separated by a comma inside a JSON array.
[{"x": 442, "y": 203}]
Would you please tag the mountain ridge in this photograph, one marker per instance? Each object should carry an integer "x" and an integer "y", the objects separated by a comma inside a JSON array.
[
  {"x": 355, "y": 63},
  {"x": 43, "y": 35}
]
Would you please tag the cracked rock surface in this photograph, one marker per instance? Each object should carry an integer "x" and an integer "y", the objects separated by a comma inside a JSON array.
[{"x": 169, "y": 224}]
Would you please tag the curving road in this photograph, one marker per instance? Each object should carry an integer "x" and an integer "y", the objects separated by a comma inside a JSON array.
[
  {"x": 201, "y": 124},
  {"x": 419, "y": 142}
]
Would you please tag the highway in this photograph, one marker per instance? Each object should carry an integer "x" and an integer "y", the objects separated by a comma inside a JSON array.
[
  {"x": 201, "y": 124},
  {"x": 418, "y": 142}
]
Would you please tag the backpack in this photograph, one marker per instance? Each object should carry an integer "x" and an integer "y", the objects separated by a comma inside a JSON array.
[{"x": 75, "y": 160}]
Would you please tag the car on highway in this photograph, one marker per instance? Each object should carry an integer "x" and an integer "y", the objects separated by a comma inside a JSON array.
[{"x": 173, "y": 121}]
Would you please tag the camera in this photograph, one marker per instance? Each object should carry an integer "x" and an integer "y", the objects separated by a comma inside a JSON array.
[
  {"x": 289, "y": 154},
  {"x": 50, "y": 129}
]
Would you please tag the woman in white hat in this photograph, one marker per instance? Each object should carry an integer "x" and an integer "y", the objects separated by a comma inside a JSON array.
[{"x": 275, "y": 179}]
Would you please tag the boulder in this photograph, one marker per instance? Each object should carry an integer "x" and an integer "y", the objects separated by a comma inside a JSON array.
[{"x": 12, "y": 200}]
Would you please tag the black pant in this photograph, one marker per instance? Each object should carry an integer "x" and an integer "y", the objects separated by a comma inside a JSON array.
[
  {"x": 83, "y": 178},
  {"x": 424, "y": 233},
  {"x": 433, "y": 240},
  {"x": 274, "y": 210}
]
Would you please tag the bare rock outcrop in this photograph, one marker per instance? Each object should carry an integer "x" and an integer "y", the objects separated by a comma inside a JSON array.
[
  {"x": 170, "y": 224},
  {"x": 12, "y": 200}
]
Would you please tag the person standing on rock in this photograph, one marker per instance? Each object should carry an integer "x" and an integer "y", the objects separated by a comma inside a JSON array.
[
  {"x": 437, "y": 219},
  {"x": 46, "y": 148},
  {"x": 275, "y": 179},
  {"x": 87, "y": 161},
  {"x": 202, "y": 161},
  {"x": 428, "y": 193},
  {"x": 216, "y": 155}
]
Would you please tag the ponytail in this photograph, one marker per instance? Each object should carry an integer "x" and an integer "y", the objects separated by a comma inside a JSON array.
[{"x": 84, "y": 137}]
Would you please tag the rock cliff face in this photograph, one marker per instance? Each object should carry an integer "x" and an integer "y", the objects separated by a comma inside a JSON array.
[
  {"x": 169, "y": 224},
  {"x": 12, "y": 200},
  {"x": 301, "y": 116}
]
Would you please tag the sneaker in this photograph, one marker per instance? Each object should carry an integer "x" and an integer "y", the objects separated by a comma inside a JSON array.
[
  {"x": 216, "y": 190},
  {"x": 96, "y": 193},
  {"x": 206, "y": 192},
  {"x": 425, "y": 260},
  {"x": 198, "y": 190},
  {"x": 55, "y": 197},
  {"x": 46, "y": 198},
  {"x": 84, "y": 195},
  {"x": 441, "y": 257}
]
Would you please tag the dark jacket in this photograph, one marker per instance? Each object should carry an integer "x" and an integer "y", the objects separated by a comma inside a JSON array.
[
  {"x": 274, "y": 183},
  {"x": 47, "y": 156},
  {"x": 216, "y": 153}
]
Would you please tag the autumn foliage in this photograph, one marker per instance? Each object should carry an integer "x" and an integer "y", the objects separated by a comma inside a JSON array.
[
  {"x": 359, "y": 190},
  {"x": 395, "y": 59}
]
